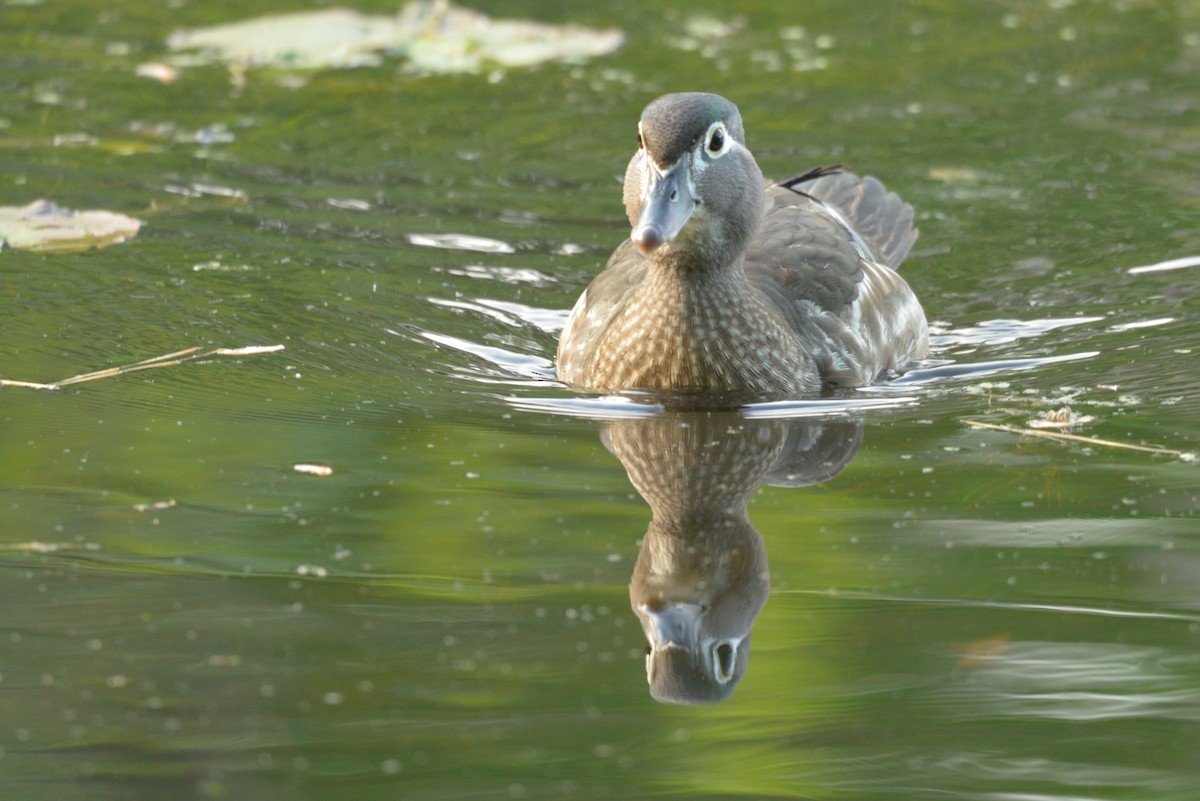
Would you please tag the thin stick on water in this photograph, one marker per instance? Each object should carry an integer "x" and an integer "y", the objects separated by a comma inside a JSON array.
[
  {"x": 157, "y": 361},
  {"x": 8, "y": 382},
  {"x": 1059, "y": 435},
  {"x": 166, "y": 360}
]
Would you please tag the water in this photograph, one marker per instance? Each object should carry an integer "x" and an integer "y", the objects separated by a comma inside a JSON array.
[{"x": 952, "y": 612}]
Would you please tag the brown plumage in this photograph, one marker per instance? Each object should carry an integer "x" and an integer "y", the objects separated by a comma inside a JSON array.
[{"x": 724, "y": 288}]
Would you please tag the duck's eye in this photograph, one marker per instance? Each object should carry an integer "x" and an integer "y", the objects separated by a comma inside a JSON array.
[
  {"x": 716, "y": 140},
  {"x": 641, "y": 142}
]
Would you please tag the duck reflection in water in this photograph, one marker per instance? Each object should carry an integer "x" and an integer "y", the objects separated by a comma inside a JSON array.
[{"x": 701, "y": 577}]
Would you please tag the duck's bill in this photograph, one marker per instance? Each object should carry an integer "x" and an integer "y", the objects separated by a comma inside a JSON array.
[{"x": 667, "y": 206}]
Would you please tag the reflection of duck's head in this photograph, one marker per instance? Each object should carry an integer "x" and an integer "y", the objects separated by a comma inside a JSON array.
[
  {"x": 701, "y": 577},
  {"x": 697, "y": 598}
]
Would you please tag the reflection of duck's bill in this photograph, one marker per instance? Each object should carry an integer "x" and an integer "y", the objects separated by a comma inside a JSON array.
[{"x": 672, "y": 625}]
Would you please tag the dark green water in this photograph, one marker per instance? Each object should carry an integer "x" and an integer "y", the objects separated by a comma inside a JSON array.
[{"x": 959, "y": 613}]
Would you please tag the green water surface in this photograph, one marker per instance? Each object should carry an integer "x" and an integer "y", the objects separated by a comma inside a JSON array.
[{"x": 960, "y": 613}]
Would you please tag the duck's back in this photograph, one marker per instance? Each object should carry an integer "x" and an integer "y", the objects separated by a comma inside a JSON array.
[
  {"x": 825, "y": 257},
  {"x": 880, "y": 218}
]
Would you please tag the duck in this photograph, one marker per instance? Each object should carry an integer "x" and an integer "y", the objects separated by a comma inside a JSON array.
[{"x": 730, "y": 284}]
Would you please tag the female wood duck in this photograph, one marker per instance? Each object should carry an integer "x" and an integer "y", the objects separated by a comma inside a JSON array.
[{"x": 723, "y": 288}]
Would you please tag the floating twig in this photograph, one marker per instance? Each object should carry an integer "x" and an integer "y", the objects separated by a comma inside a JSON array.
[
  {"x": 108, "y": 372},
  {"x": 1059, "y": 435},
  {"x": 166, "y": 360},
  {"x": 6, "y": 382}
]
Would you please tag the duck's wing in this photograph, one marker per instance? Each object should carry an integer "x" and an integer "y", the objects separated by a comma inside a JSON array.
[
  {"x": 594, "y": 311},
  {"x": 878, "y": 217},
  {"x": 823, "y": 257},
  {"x": 806, "y": 251}
]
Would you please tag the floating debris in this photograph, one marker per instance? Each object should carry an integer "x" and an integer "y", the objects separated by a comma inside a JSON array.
[
  {"x": 1063, "y": 419},
  {"x": 163, "y": 73},
  {"x": 249, "y": 350},
  {"x": 954, "y": 175},
  {"x": 313, "y": 469},
  {"x": 45, "y": 227},
  {"x": 166, "y": 360},
  {"x": 156, "y": 506},
  {"x": 1183, "y": 456},
  {"x": 435, "y": 36}
]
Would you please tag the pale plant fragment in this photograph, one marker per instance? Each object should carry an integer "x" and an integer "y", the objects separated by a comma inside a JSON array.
[
  {"x": 1063, "y": 419},
  {"x": 1185, "y": 456},
  {"x": 155, "y": 506},
  {"x": 166, "y": 360},
  {"x": 249, "y": 350}
]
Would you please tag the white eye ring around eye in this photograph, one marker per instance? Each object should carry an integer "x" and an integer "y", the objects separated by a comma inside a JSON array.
[{"x": 716, "y": 140}]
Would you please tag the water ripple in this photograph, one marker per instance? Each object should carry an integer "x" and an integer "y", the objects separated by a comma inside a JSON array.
[
  {"x": 478, "y": 244},
  {"x": 510, "y": 313},
  {"x": 1081, "y": 681},
  {"x": 624, "y": 406},
  {"x": 521, "y": 364},
  {"x": 999, "y": 332},
  {"x": 971, "y": 370}
]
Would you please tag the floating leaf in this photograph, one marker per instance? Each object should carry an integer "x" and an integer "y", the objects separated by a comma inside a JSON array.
[
  {"x": 45, "y": 227},
  {"x": 434, "y": 35}
]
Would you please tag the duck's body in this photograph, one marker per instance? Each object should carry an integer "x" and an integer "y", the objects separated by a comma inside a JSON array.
[{"x": 726, "y": 289}]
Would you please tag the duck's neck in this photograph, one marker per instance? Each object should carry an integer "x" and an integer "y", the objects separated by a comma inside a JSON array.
[{"x": 706, "y": 329}]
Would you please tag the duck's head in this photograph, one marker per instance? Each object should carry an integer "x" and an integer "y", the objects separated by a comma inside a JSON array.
[{"x": 693, "y": 192}]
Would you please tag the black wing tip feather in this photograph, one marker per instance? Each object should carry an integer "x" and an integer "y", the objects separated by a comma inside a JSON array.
[{"x": 813, "y": 174}]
